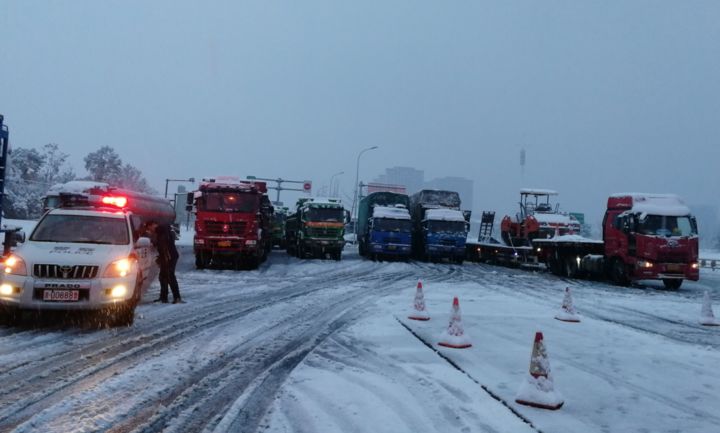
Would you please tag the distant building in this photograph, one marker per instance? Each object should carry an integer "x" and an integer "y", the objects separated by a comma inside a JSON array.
[
  {"x": 463, "y": 186},
  {"x": 412, "y": 179}
]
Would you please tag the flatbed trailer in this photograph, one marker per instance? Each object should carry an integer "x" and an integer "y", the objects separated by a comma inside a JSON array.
[
  {"x": 494, "y": 252},
  {"x": 570, "y": 255}
]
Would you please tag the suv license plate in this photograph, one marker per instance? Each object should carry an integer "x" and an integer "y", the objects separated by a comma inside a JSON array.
[
  {"x": 224, "y": 243},
  {"x": 61, "y": 295}
]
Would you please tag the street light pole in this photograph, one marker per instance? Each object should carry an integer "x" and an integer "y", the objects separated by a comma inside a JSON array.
[
  {"x": 357, "y": 189},
  {"x": 332, "y": 179}
]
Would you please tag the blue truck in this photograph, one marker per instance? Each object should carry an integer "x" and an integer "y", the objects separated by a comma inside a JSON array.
[
  {"x": 384, "y": 226},
  {"x": 440, "y": 228}
]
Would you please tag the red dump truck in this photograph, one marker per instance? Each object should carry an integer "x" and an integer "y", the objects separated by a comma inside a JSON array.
[{"x": 233, "y": 222}]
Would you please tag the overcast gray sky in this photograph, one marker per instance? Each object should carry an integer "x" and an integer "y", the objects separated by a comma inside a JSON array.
[{"x": 606, "y": 96}]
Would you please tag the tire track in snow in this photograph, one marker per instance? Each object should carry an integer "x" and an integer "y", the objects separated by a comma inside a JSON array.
[{"x": 26, "y": 396}]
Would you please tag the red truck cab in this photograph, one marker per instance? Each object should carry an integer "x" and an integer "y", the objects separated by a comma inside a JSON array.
[
  {"x": 233, "y": 221},
  {"x": 650, "y": 237}
]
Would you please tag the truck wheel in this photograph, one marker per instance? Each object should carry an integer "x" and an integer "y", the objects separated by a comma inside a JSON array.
[
  {"x": 618, "y": 273},
  {"x": 337, "y": 256},
  {"x": 202, "y": 260},
  {"x": 672, "y": 284}
]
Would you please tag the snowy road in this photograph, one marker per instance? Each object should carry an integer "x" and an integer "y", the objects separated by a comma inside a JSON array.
[{"x": 320, "y": 346}]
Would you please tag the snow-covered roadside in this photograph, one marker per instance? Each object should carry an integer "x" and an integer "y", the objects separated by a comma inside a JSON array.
[
  {"x": 375, "y": 377},
  {"x": 613, "y": 377}
]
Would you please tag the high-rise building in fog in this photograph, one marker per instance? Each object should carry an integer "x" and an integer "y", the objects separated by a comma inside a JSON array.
[
  {"x": 412, "y": 179},
  {"x": 463, "y": 186}
]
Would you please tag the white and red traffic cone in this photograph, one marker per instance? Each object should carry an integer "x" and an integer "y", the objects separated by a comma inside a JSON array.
[
  {"x": 567, "y": 311},
  {"x": 419, "y": 311},
  {"x": 707, "y": 317},
  {"x": 538, "y": 389},
  {"x": 454, "y": 336}
]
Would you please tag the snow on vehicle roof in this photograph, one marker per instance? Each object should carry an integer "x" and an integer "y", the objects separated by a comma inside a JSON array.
[
  {"x": 538, "y": 191},
  {"x": 398, "y": 213},
  {"x": 76, "y": 187},
  {"x": 656, "y": 204},
  {"x": 568, "y": 238},
  {"x": 325, "y": 200},
  {"x": 444, "y": 215},
  {"x": 554, "y": 218}
]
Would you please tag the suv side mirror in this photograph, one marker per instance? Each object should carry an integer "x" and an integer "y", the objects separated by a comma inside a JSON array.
[{"x": 18, "y": 237}]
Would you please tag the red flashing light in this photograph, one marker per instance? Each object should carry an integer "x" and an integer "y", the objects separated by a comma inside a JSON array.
[{"x": 118, "y": 201}]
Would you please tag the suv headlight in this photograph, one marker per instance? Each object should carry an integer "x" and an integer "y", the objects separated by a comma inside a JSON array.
[
  {"x": 15, "y": 265},
  {"x": 119, "y": 268}
]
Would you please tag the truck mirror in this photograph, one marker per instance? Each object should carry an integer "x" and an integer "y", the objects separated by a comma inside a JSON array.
[
  {"x": 188, "y": 208},
  {"x": 347, "y": 216}
]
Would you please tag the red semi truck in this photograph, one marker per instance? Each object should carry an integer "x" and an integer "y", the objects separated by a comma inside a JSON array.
[
  {"x": 645, "y": 237},
  {"x": 233, "y": 222}
]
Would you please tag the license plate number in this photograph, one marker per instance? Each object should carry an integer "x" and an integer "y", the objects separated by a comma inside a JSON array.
[
  {"x": 61, "y": 295},
  {"x": 674, "y": 268},
  {"x": 392, "y": 247},
  {"x": 224, "y": 243}
]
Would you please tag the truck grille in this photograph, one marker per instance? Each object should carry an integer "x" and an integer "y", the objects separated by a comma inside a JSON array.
[
  {"x": 668, "y": 257},
  {"x": 75, "y": 272},
  {"x": 315, "y": 232},
  {"x": 218, "y": 228}
]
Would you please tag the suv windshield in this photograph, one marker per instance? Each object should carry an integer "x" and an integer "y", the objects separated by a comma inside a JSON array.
[
  {"x": 229, "y": 202},
  {"x": 328, "y": 214},
  {"x": 391, "y": 225},
  {"x": 659, "y": 225},
  {"x": 82, "y": 229},
  {"x": 446, "y": 226}
]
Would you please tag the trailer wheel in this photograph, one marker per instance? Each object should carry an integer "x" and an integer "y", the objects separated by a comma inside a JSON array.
[
  {"x": 618, "y": 273},
  {"x": 571, "y": 267},
  {"x": 672, "y": 284}
]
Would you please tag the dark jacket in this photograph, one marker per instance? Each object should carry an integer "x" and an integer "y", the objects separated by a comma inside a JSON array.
[{"x": 165, "y": 243}]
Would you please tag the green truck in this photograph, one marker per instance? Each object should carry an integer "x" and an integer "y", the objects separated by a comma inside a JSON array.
[{"x": 316, "y": 229}]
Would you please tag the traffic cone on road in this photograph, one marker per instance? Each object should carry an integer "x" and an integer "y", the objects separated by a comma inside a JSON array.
[
  {"x": 707, "y": 317},
  {"x": 567, "y": 311},
  {"x": 419, "y": 310},
  {"x": 538, "y": 389},
  {"x": 454, "y": 336}
]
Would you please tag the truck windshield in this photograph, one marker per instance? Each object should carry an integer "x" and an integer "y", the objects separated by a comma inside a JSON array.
[
  {"x": 660, "y": 225},
  {"x": 334, "y": 215},
  {"x": 82, "y": 229},
  {"x": 391, "y": 225},
  {"x": 229, "y": 202},
  {"x": 446, "y": 226}
]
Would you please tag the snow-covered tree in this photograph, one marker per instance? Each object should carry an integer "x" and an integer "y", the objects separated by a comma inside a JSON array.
[
  {"x": 24, "y": 186},
  {"x": 105, "y": 165},
  {"x": 55, "y": 170}
]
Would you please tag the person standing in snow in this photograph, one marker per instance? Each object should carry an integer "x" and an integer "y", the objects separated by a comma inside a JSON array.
[{"x": 167, "y": 259}]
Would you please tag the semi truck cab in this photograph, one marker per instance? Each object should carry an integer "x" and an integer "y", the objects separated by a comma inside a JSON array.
[
  {"x": 390, "y": 232},
  {"x": 445, "y": 232},
  {"x": 651, "y": 236}
]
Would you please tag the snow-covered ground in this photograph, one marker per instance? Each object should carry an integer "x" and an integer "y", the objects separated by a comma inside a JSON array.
[{"x": 322, "y": 346}]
